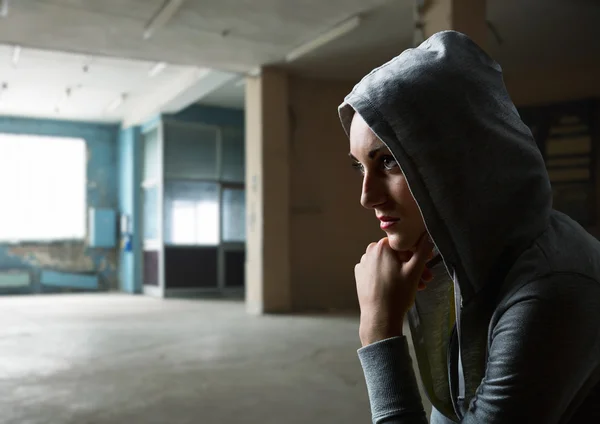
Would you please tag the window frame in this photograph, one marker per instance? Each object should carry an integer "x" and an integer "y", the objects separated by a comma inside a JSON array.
[{"x": 221, "y": 183}]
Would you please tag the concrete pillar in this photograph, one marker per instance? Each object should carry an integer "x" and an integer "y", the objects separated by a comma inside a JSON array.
[
  {"x": 267, "y": 193},
  {"x": 466, "y": 16}
]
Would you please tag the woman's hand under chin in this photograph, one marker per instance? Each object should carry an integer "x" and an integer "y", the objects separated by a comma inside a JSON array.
[{"x": 386, "y": 283}]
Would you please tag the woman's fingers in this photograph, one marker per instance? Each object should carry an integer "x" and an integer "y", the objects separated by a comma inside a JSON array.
[
  {"x": 427, "y": 275},
  {"x": 404, "y": 256}
]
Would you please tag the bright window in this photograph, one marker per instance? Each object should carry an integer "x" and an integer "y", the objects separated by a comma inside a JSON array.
[
  {"x": 195, "y": 223},
  {"x": 42, "y": 188},
  {"x": 191, "y": 213}
]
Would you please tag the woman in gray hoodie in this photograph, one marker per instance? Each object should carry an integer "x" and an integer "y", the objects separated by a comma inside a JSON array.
[{"x": 506, "y": 325}]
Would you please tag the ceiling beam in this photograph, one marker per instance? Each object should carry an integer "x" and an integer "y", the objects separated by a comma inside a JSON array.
[
  {"x": 186, "y": 89},
  {"x": 209, "y": 83}
]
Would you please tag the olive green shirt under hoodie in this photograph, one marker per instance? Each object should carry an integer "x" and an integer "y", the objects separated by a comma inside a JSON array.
[{"x": 520, "y": 280}]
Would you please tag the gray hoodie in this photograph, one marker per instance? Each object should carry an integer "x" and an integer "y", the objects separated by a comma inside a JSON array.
[{"x": 509, "y": 331}]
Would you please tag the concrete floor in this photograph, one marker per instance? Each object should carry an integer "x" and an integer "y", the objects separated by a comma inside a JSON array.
[{"x": 125, "y": 359}]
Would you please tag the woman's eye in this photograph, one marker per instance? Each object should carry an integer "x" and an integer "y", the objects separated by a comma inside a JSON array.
[
  {"x": 358, "y": 167},
  {"x": 389, "y": 162}
]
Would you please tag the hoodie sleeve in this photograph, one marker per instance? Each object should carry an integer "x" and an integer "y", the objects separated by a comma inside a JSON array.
[
  {"x": 391, "y": 382},
  {"x": 544, "y": 358}
]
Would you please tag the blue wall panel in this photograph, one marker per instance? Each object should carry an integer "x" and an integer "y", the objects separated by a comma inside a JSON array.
[
  {"x": 69, "y": 280},
  {"x": 102, "y": 228}
]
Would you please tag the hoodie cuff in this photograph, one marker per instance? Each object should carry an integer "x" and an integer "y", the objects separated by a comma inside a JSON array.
[{"x": 391, "y": 381}]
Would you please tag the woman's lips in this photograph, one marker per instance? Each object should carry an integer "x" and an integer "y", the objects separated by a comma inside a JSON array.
[{"x": 387, "y": 222}]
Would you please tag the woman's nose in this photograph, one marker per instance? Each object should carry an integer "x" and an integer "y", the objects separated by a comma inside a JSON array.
[{"x": 373, "y": 191}]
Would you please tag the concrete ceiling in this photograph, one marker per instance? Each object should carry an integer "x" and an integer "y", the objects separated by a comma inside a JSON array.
[
  {"x": 240, "y": 35},
  {"x": 533, "y": 34},
  {"x": 384, "y": 32},
  {"x": 50, "y": 84},
  {"x": 234, "y": 35}
]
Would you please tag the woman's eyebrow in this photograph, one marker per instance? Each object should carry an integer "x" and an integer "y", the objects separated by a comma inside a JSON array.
[{"x": 372, "y": 153}]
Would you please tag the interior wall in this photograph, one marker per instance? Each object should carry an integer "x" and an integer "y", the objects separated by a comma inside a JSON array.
[
  {"x": 547, "y": 86},
  {"x": 101, "y": 193},
  {"x": 330, "y": 230},
  {"x": 544, "y": 86}
]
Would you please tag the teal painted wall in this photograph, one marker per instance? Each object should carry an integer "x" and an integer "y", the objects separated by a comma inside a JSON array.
[
  {"x": 71, "y": 257},
  {"x": 210, "y": 115}
]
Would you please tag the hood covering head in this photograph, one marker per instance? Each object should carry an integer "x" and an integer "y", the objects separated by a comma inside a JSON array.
[
  {"x": 471, "y": 163},
  {"x": 479, "y": 180}
]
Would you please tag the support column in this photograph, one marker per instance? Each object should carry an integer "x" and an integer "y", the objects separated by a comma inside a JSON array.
[
  {"x": 466, "y": 16},
  {"x": 267, "y": 193}
]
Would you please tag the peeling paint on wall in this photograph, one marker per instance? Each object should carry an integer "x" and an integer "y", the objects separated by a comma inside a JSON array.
[
  {"x": 66, "y": 256},
  {"x": 73, "y": 257}
]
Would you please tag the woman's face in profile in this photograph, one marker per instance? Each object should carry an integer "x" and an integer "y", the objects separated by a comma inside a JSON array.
[{"x": 384, "y": 188}]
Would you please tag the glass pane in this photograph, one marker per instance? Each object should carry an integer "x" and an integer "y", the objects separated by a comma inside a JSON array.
[
  {"x": 232, "y": 163},
  {"x": 191, "y": 213},
  {"x": 190, "y": 151},
  {"x": 150, "y": 195},
  {"x": 183, "y": 219},
  {"x": 207, "y": 222},
  {"x": 234, "y": 215},
  {"x": 151, "y": 156}
]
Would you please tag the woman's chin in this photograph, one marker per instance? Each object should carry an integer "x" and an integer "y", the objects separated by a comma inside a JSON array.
[
  {"x": 399, "y": 243},
  {"x": 402, "y": 242}
]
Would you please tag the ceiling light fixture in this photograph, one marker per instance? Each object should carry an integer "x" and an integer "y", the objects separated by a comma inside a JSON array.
[
  {"x": 157, "y": 69},
  {"x": 114, "y": 105},
  {"x": 4, "y": 8},
  {"x": 164, "y": 15},
  {"x": 16, "y": 55},
  {"x": 334, "y": 33}
]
